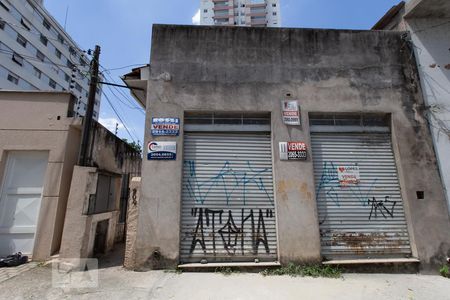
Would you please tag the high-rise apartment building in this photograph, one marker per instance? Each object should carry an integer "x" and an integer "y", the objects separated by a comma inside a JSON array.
[
  {"x": 36, "y": 53},
  {"x": 257, "y": 13}
]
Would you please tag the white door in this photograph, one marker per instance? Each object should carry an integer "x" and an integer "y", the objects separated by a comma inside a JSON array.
[{"x": 20, "y": 200}]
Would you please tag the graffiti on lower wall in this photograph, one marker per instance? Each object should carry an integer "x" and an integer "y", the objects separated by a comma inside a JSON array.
[{"x": 231, "y": 231}]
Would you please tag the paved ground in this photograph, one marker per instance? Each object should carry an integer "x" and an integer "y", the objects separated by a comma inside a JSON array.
[
  {"x": 116, "y": 283},
  {"x": 7, "y": 273}
]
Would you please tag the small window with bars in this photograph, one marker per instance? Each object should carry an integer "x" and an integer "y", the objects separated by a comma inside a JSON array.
[{"x": 52, "y": 83}]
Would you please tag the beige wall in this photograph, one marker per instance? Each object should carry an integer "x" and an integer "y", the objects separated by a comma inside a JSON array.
[{"x": 38, "y": 121}]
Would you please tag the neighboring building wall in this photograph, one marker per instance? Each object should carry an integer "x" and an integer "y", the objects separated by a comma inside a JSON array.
[
  {"x": 38, "y": 121},
  {"x": 259, "y": 13},
  {"x": 109, "y": 156},
  {"x": 334, "y": 71},
  {"x": 428, "y": 23},
  {"x": 37, "y": 54}
]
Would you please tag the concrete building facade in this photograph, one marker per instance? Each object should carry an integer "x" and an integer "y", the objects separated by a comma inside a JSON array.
[
  {"x": 295, "y": 145},
  {"x": 255, "y": 13},
  {"x": 36, "y": 53},
  {"x": 44, "y": 206},
  {"x": 428, "y": 25}
]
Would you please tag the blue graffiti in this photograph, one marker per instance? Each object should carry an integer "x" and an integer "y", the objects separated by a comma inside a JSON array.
[
  {"x": 199, "y": 191},
  {"x": 330, "y": 185}
]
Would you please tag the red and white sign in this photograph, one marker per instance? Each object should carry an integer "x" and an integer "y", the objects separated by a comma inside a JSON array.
[
  {"x": 290, "y": 112},
  {"x": 293, "y": 151},
  {"x": 348, "y": 175}
]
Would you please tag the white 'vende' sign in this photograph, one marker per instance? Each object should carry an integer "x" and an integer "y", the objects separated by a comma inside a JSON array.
[
  {"x": 291, "y": 112},
  {"x": 348, "y": 175}
]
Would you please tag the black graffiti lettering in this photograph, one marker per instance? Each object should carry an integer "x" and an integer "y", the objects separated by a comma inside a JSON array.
[
  {"x": 261, "y": 238},
  {"x": 386, "y": 207},
  {"x": 200, "y": 240},
  {"x": 251, "y": 217},
  {"x": 213, "y": 223},
  {"x": 230, "y": 233}
]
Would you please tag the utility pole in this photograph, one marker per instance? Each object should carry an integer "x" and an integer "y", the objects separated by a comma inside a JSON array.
[{"x": 87, "y": 122}]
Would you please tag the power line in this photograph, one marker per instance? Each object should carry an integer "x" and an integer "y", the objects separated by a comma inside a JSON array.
[
  {"x": 124, "y": 67},
  {"x": 121, "y": 120},
  {"x": 40, "y": 34}
]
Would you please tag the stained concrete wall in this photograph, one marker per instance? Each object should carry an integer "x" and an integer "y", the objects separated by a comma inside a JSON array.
[
  {"x": 37, "y": 121},
  {"x": 250, "y": 69},
  {"x": 80, "y": 228}
]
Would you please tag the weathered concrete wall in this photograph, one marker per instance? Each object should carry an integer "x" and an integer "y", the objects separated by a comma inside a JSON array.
[
  {"x": 79, "y": 228},
  {"x": 38, "y": 121},
  {"x": 248, "y": 70},
  {"x": 132, "y": 221},
  {"x": 431, "y": 44}
]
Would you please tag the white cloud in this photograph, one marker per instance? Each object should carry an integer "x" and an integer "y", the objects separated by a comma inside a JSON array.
[
  {"x": 110, "y": 123},
  {"x": 196, "y": 18}
]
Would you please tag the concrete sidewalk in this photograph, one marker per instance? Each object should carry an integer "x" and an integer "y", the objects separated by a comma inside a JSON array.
[{"x": 117, "y": 283}]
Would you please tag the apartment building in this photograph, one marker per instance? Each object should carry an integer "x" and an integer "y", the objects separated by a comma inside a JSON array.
[
  {"x": 36, "y": 53},
  {"x": 256, "y": 13}
]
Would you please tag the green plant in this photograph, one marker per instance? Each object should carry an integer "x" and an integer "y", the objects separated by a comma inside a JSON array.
[
  {"x": 304, "y": 270},
  {"x": 444, "y": 271},
  {"x": 227, "y": 271},
  {"x": 176, "y": 271}
]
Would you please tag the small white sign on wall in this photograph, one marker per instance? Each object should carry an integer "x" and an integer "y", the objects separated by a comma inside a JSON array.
[
  {"x": 348, "y": 175},
  {"x": 290, "y": 112}
]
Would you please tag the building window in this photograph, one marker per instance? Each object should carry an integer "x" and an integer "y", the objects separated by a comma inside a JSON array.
[
  {"x": 17, "y": 59},
  {"x": 66, "y": 77},
  {"x": 70, "y": 64},
  {"x": 72, "y": 51},
  {"x": 205, "y": 10},
  {"x": 4, "y": 5},
  {"x": 40, "y": 55},
  {"x": 274, "y": 5},
  {"x": 25, "y": 24},
  {"x": 2, "y": 25},
  {"x": 37, "y": 73},
  {"x": 274, "y": 13},
  {"x": 46, "y": 24},
  {"x": 52, "y": 83},
  {"x": 21, "y": 40},
  {"x": 13, "y": 78},
  {"x": 58, "y": 53},
  {"x": 78, "y": 87},
  {"x": 60, "y": 38},
  {"x": 44, "y": 40}
]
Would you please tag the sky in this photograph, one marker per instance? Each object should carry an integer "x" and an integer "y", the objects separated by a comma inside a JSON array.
[{"x": 123, "y": 30}]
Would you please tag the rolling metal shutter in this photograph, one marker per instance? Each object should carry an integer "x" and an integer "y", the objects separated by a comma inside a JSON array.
[
  {"x": 365, "y": 220},
  {"x": 228, "y": 212}
]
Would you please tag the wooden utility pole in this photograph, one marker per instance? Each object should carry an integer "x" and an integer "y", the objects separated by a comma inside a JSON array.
[{"x": 87, "y": 122}]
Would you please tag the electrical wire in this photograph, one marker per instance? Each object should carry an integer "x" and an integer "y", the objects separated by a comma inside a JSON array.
[
  {"x": 40, "y": 34},
  {"x": 121, "y": 120},
  {"x": 124, "y": 67}
]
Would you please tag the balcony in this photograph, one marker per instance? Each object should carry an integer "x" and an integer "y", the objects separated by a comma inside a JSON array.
[
  {"x": 259, "y": 21},
  {"x": 257, "y": 14},
  {"x": 217, "y": 8}
]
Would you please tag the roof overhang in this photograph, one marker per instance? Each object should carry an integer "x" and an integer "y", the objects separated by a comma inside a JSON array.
[
  {"x": 428, "y": 9},
  {"x": 136, "y": 81},
  {"x": 387, "y": 18}
]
